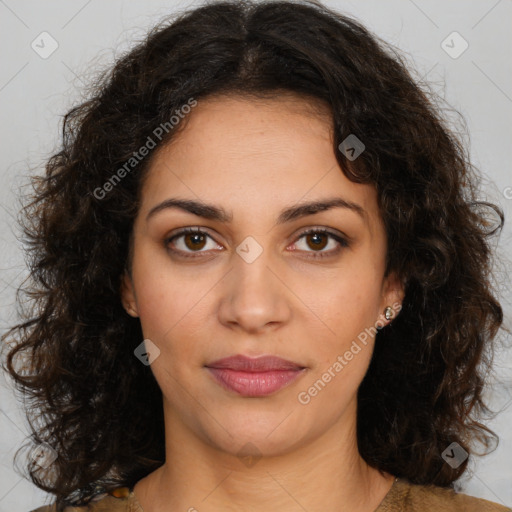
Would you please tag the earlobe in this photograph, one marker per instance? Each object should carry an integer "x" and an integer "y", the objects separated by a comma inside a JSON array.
[
  {"x": 128, "y": 296},
  {"x": 392, "y": 298}
]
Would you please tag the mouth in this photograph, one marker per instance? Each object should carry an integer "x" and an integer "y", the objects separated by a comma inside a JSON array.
[{"x": 254, "y": 377}]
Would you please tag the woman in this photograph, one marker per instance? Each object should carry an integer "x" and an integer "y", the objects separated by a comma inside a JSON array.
[{"x": 261, "y": 277}]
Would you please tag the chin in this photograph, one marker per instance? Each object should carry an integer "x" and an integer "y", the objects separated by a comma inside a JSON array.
[{"x": 256, "y": 435}]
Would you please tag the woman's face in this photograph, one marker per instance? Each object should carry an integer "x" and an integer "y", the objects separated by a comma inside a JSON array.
[{"x": 251, "y": 283}]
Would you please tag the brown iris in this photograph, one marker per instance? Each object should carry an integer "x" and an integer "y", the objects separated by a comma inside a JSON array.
[
  {"x": 198, "y": 240},
  {"x": 317, "y": 243}
]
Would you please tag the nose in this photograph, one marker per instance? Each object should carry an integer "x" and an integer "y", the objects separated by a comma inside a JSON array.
[{"x": 254, "y": 296}]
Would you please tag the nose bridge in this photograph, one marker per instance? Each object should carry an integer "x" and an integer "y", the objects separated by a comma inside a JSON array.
[
  {"x": 253, "y": 273},
  {"x": 253, "y": 296}
]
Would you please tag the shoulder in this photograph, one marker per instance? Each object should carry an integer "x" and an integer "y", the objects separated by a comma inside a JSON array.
[
  {"x": 118, "y": 500},
  {"x": 408, "y": 497}
]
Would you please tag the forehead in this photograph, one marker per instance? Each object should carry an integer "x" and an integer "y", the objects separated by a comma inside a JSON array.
[
  {"x": 253, "y": 156},
  {"x": 231, "y": 126}
]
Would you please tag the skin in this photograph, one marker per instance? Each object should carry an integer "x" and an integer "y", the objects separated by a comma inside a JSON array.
[{"x": 253, "y": 159}]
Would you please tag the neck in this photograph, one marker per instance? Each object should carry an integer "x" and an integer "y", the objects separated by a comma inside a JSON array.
[{"x": 326, "y": 473}]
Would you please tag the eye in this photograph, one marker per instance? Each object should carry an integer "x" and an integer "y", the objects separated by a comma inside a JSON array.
[
  {"x": 190, "y": 240},
  {"x": 318, "y": 239}
]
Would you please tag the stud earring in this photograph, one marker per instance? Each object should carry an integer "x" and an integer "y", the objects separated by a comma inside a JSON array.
[{"x": 388, "y": 313}]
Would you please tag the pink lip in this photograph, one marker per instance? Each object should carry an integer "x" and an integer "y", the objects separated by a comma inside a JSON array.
[{"x": 253, "y": 377}]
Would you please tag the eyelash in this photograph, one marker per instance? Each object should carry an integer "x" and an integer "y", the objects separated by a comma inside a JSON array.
[{"x": 314, "y": 254}]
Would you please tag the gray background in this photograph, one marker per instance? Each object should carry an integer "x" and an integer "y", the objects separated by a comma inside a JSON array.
[{"x": 35, "y": 92}]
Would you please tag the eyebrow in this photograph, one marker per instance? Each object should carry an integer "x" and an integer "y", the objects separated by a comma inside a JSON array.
[{"x": 217, "y": 213}]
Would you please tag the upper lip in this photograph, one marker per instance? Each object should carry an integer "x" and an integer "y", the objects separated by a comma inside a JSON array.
[{"x": 259, "y": 364}]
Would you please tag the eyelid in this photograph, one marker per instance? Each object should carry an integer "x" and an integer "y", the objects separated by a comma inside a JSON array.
[
  {"x": 328, "y": 231},
  {"x": 189, "y": 229}
]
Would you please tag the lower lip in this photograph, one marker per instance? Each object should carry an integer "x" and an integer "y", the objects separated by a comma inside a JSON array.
[{"x": 254, "y": 384}]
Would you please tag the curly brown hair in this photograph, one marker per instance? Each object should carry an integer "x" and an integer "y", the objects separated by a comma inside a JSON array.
[{"x": 94, "y": 403}]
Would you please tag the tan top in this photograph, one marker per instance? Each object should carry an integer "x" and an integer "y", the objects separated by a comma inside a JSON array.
[{"x": 402, "y": 497}]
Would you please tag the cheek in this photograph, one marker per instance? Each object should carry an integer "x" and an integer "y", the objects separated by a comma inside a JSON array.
[
  {"x": 344, "y": 351},
  {"x": 171, "y": 306},
  {"x": 348, "y": 303},
  {"x": 162, "y": 298},
  {"x": 171, "y": 320}
]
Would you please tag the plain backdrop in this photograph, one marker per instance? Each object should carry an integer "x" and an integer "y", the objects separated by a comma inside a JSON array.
[{"x": 459, "y": 47}]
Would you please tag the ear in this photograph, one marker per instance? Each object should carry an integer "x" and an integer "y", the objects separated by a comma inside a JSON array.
[
  {"x": 392, "y": 296},
  {"x": 128, "y": 295}
]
